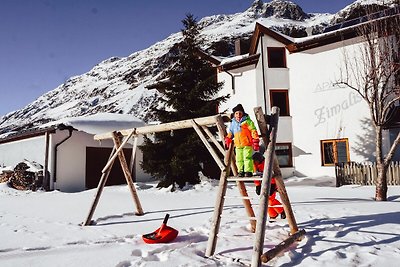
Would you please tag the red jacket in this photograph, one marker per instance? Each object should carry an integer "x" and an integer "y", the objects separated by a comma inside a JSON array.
[{"x": 260, "y": 168}]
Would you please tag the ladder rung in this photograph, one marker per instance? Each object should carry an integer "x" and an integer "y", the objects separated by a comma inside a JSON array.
[
  {"x": 243, "y": 179},
  {"x": 252, "y": 198}
]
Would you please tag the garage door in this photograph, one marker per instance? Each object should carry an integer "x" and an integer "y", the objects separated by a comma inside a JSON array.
[{"x": 96, "y": 159}]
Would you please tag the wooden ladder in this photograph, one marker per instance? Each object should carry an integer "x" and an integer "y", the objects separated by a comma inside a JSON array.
[{"x": 271, "y": 164}]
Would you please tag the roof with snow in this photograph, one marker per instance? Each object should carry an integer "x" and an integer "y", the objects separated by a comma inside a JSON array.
[
  {"x": 92, "y": 124},
  {"x": 341, "y": 31},
  {"x": 333, "y": 34}
]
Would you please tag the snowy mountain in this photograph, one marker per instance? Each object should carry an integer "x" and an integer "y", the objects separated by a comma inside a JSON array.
[{"x": 119, "y": 85}]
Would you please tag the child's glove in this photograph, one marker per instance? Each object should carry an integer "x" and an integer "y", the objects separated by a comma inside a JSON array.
[
  {"x": 228, "y": 142},
  {"x": 256, "y": 144}
]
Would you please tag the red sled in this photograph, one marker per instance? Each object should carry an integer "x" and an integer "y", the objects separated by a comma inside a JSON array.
[{"x": 164, "y": 234}]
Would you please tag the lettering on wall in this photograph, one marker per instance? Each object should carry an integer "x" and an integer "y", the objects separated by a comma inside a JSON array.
[
  {"x": 328, "y": 86},
  {"x": 323, "y": 113}
]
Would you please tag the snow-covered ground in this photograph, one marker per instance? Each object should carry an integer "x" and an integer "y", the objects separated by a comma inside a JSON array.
[{"x": 344, "y": 226}]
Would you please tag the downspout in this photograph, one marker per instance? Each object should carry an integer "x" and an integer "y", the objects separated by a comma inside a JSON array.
[
  {"x": 263, "y": 75},
  {"x": 46, "y": 176},
  {"x": 70, "y": 130},
  {"x": 233, "y": 80}
]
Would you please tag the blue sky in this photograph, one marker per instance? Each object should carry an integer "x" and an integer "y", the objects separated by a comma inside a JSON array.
[{"x": 44, "y": 42}]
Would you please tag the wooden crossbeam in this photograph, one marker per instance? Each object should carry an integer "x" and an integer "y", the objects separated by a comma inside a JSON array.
[
  {"x": 244, "y": 179},
  {"x": 170, "y": 126}
]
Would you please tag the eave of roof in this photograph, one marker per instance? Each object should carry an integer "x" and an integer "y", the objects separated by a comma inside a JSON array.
[
  {"x": 31, "y": 133},
  {"x": 259, "y": 30},
  {"x": 299, "y": 44},
  {"x": 338, "y": 35},
  {"x": 322, "y": 40},
  {"x": 246, "y": 61}
]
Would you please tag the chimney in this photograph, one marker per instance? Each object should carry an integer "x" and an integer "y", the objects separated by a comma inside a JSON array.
[{"x": 237, "y": 47}]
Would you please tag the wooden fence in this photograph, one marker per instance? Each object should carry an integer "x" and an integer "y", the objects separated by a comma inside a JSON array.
[{"x": 365, "y": 173}]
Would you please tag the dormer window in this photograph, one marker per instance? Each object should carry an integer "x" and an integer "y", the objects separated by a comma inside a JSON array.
[{"x": 276, "y": 57}]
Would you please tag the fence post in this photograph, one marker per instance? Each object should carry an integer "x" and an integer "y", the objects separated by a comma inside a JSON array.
[
  {"x": 365, "y": 173},
  {"x": 339, "y": 174}
]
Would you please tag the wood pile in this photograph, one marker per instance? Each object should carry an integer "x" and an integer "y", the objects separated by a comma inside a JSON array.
[{"x": 22, "y": 179}]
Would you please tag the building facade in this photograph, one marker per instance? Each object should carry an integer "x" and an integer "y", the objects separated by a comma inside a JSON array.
[{"x": 321, "y": 121}]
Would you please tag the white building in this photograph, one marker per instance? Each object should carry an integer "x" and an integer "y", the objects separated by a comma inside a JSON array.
[
  {"x": 66, "y": 148},
  {"x": 320, "y": 124}
]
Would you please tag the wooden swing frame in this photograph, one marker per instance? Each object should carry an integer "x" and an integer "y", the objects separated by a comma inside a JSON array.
[{"x": 200, "y": 125}]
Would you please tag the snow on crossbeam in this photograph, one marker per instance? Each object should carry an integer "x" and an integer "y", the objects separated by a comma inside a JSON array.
[{"x": 176, "y": 125}]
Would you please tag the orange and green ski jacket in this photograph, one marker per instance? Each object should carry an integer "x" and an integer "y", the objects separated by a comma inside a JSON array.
[{"x": 242, "y": 132}]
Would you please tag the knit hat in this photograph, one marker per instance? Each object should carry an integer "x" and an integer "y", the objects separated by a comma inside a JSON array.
[{"x": 239, "y": 107}]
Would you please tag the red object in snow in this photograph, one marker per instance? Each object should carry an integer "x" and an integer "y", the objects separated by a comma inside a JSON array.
[{"x": 164, "y": 234}]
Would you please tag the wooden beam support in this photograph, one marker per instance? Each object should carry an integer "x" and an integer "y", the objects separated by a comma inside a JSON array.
[
  {"x": 270, "y": 254},
  {"x": 127, "y": 174},
  {"x": 213, "y": 139},
  {"x": 132, "y": 162},
  {"x": 265, "y": 188},
  {"x": 118, "y": 150},
  {"x": 100, "y": 187},
  {"x": 262, "y": 125},
  {"x": 176, "y": 125},
  {"x": 219, "y": 204},
  {"x": 207, "y": 145}
]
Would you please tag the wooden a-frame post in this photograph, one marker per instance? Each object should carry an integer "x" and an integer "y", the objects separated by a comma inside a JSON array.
[
  {"x": 219, "y": 204},
  {"x": 265, "y": 189},
  {"x": 117, "y": 151},
  {"x": 128, "y": 174},
  {"x": 272, "y": 165},
  {"x": 262, "y": 125}
]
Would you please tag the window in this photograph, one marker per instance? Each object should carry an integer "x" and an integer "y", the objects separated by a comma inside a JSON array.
[
  {"x": 334, "y": 151},
  {"x": 283, "y": 152},
  {"x": 276, "y": 57},
  {"x": 280, "y": 98}
]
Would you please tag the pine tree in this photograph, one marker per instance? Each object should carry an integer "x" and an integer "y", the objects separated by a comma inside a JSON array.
[{"x": 190, "y": 92}]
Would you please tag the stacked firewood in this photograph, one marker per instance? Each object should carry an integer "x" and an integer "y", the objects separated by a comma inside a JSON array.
[
  {"x": 5, "y": 176},
  {"x": 22, "y": 179}
]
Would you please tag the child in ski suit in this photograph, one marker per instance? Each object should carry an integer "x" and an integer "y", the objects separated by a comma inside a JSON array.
[
  {"x": 273, "y": 210},
  {"x": 245, "y": 136}
]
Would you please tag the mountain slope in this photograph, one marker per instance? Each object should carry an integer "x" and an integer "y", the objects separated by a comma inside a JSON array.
[{"x": 118, "y": 85}]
